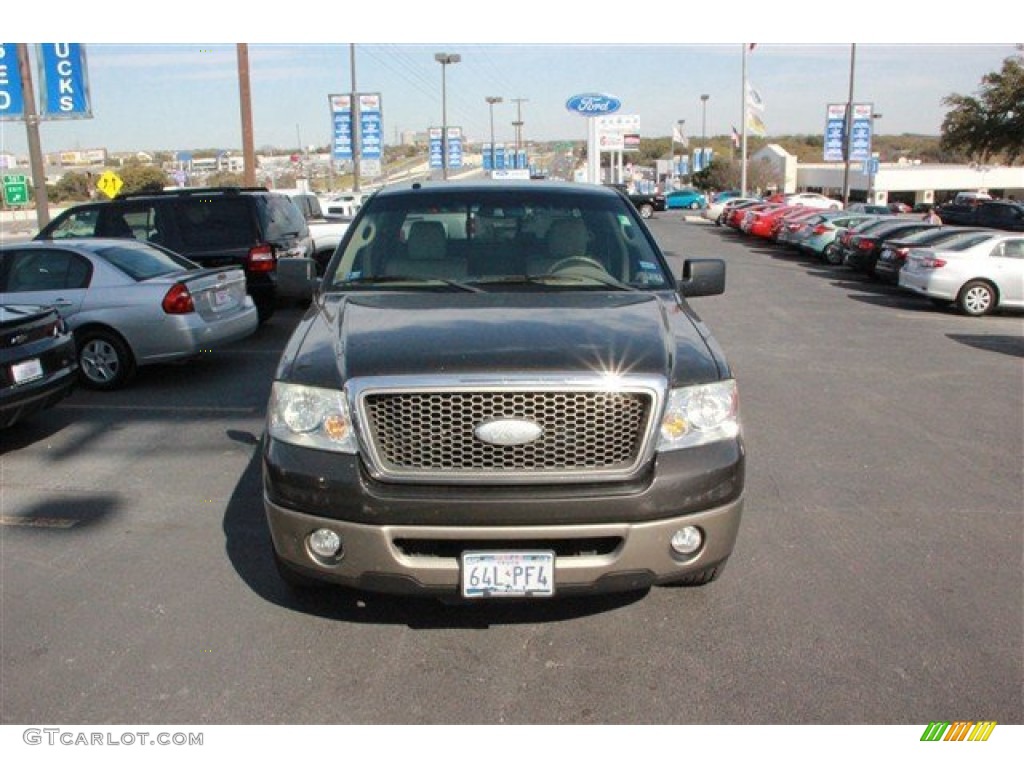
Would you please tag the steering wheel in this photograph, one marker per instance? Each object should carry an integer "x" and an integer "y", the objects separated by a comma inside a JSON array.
[{"x": 576, "y": 261}]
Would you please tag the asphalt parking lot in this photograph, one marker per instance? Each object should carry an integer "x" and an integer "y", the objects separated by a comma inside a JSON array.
[{"x": 877, "y": 577}]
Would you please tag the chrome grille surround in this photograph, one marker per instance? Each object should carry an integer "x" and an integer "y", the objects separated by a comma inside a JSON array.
[{"x": 421, "y": 429}]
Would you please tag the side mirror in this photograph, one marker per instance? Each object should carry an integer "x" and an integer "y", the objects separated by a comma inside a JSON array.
[{"x": 702, "y": 277}]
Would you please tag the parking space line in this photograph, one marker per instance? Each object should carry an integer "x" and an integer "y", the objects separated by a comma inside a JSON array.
[
  {"x": 162, "y": 408},
  {"x": 37, "y": 522}
]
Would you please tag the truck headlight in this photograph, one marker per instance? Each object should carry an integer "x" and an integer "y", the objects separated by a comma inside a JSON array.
[
  {"x": 700, "y": 414},
  {"x": 310, "y": 416}
]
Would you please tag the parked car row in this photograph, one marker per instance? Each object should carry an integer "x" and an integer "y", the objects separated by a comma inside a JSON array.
[
  {"x": 142, "y": 279},
  {"x": 977, "y": 269}
]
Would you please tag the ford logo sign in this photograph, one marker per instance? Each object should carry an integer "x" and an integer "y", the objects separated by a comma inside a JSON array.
[
  {"x": 593, "y": 104},
  {"x": 508, "y": 432}
]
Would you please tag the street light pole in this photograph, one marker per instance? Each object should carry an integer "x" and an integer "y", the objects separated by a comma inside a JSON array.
[
  {"x": 491, "y": 101},
  {"x": 848, "y": 128},
  {"x": 444, "y": 59},
  {"x": 518, "y": 124}
]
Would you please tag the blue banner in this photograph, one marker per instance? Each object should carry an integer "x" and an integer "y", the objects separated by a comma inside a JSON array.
[
  {"x": 835, "y": 130},
  {"x": 454, "y": 147},
  {"x": 860, "y": 132},
  {"x": 486, "y": 152},
  {"x": 436, "y": 152},
  {"x": 63, "y": 81},
  {"x": 341, "y": 127},
  {"x": 12, "y": 100},
  {"x": 370, "y": 126}
]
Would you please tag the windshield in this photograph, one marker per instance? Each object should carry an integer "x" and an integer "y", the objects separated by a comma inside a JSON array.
[{"x": 498, "y": 239}]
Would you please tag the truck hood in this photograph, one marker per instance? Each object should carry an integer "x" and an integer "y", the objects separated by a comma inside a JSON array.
[{"x": 392, "y": 334}]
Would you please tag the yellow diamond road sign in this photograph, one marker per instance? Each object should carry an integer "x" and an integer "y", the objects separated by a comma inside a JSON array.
[{"x": 109, "y": 184}]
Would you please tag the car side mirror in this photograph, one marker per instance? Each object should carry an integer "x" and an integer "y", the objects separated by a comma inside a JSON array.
[{"x": 702, "y": 277}]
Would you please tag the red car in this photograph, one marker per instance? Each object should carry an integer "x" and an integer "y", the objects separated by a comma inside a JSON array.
[
  {"x": 778, "y": 219},
  {"x": 736, "y": 215},
  {"x": 761, "y": 222}
]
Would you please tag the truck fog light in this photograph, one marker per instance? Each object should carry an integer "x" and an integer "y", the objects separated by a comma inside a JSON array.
[
  {"x": 687, "y": 540},
  {"x": 325, "y": 543}
]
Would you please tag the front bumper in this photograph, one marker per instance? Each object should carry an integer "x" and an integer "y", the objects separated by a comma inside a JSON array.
[{"x": 407, "y": 539}]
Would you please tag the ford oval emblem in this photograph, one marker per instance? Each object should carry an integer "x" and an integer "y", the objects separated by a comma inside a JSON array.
[
  {"x": 593, "y": 104},
  {"x": 508, "y": 431}
]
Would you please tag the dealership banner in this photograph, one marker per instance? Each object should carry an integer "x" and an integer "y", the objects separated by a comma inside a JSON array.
[
  {"x": 63, "y": 81},
  {"x": 12, "y": 100},
  {"x": 860, "y": 132}
]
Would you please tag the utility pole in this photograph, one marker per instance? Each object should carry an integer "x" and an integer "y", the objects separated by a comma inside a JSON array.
[
  {"x": 35, "y": 149},
  {"x": 357, "y": 129},
  {"x": 245, "y": 98}
]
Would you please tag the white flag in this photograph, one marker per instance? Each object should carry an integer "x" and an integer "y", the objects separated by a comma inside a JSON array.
[
  {"x": 679, "y": 137},
  {"x": 754, "y": 100}
]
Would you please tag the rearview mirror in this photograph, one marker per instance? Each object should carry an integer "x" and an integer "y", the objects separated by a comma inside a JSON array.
[{"x": 702, "y": 277}]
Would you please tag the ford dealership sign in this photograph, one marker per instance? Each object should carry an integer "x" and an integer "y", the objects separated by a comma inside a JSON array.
[{"x": 590, "y": 104}]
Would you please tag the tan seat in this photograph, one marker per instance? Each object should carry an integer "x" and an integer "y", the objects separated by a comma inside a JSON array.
[
  {"x": 565, "y": 238},
  {"x": 426, "y": 254}
]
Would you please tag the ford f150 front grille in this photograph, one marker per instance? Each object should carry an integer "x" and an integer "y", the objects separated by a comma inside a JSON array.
[{"x": 505, "y": 434}]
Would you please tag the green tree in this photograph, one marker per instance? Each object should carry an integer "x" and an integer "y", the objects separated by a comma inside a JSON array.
[
  {"x": 224, "y": 179},
  {"x": 142, "y": 178},
  {"x": 72, "y": 187},
  {"x": 990, "y": 125}
]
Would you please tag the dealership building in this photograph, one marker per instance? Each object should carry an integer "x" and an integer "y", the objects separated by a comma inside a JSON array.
[{"x": 906, "y": 181}]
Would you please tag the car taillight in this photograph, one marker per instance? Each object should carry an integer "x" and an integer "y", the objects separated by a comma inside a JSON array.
[
  {"x": 930, "y": 262},
  {"x": 865, "y": 244},
  {"x": 901, "y": 252},
  {"x": 821, "y": 229},
  {"x": 261, "y": 259},
  {"x": 178, "y": 300}
]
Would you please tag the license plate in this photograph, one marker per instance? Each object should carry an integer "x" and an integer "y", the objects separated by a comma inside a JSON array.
[
  {"x": 221, "y": 298},
  {"x": 28, "y": 370},
  {"x": 886, "y": 256},
  {"x": 508, "y": 574}
]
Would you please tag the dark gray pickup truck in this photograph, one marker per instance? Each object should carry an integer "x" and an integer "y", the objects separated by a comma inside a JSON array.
[
  {"x": 645, "y": 203},
  {"x": 501, "y": 391}
]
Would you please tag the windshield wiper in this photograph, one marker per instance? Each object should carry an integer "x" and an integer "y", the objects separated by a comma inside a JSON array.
[
  {"x": 548, "y": 278},
  {"x": 386, "y": 279}
]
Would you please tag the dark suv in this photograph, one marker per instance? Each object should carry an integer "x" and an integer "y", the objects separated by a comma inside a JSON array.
[{"x": 251, "y": 228}]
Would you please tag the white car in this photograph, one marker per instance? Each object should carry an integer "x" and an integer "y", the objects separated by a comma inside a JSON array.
[
  {"x": 813, "y": 200},
  {"x": 345, "y": 205},
  {"x": 979, "y": 274}
]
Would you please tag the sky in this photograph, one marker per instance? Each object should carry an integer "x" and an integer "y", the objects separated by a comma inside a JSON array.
[{"x": 167, "y": 90}]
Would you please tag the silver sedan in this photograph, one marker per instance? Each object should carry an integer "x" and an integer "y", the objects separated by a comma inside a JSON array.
[
  {"x": 979, "y": 274},
  {"x": 129, "y": 303}
]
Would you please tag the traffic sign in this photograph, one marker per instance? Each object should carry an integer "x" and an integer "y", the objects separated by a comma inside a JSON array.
[
  {"x": 109, "y": 184},
  {"x": 16, "y": 190}
]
